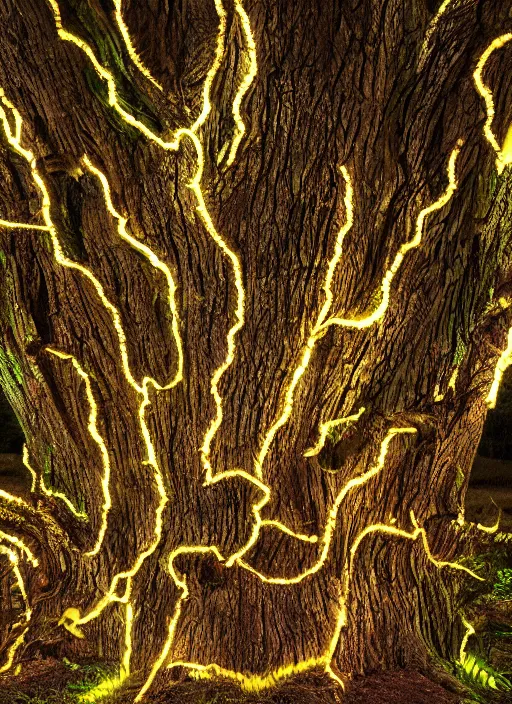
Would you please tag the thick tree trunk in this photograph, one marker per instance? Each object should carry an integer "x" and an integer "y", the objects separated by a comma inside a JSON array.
[{"x": 384, "y": 90}]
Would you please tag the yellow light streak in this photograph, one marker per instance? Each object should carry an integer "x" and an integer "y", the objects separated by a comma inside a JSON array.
[
  {"x": 22, "y": 225},
  {"x": 46, "y": 490},
  {"x": 316, "y": 328},
  {"x": 385, "y": 287},
  {"x": 249, "y": 683},
  {"x": 432, "y": 28},
  {"x": 105, "y": 688},
  {"x": 181, "y": 584},
  {"x": 333, "y": 515},
  {"x": 210, "y": 76},
  {"x": 21, "y": 546},
  {"x": 329, "y": 425},
  {"x": 125, "y": 665},
  {"x": 14, "y": 499},
  {"x": 440, "y": 563},
  {"x": 26, "y": 616},
  {"x": 503, "y": 158},
  {"x": 26, "y": 462},
  {"x": 129, "y": 44},
  {"x": 285, "y": 529},
  {"x": 470, "y": 631},
  {"x": 94, "y": 433},
  {"x": 116, "y": 319},
  {"x": 246, "y": 82},
  {"x": 504, "y": 362},
  {"x": 493, "y": 528},
  {"x": 157, "y": 264}
]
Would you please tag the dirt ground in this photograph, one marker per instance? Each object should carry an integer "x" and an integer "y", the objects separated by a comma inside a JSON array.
[{"x": 51, "y": 682}]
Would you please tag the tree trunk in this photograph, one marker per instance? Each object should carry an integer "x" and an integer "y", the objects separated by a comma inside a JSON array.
[{"x": 174, "y": 433}]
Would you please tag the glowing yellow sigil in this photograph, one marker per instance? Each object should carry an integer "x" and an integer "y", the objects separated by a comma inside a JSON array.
[
  {"x": 246, "y": 82},
  {"x": 21, "y": 546},
  {"x": 333, "y": 514},
  {"x": 378, "y": 313},
  {"x": 22, "y": 225},
  {"x": 431, "y": 30},
  {"x": 26, "y": 616},
  {"x": 326, "y": 427},
  {"x": 129, "y": 45},
  {"x": 503, "y": 157},
  {"x": 50, "y": 492},
  {"x": 181, "y": 584},
  {"x": 470, "y": 631},
  {"x": 157, "y": 264},
  {"x": 93, "y": 431},
  {"x": 26, "y": 462},
  {"x": 249, "y": 683},
  {"x": 504, "y": 362}
]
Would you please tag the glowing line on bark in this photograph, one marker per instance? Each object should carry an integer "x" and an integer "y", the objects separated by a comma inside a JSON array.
[
  {"x": 435, "y": 561},
  {"x": 249, "y": 683},
  {"x": 94, "y": 433},
  {"x": 26, "y": 462},
  {"x": 470, "y": 631},
  {"x": 129, "y": 44},
  {"x": 50, "y": 492},
  {"x": 326, "y": 427},
  {"x": 246, "y": 82},
  {"x": 181, "y": 584},
  {"x": 21, "y": 546},
  {"x": 504, "y": 362},
  {"x": 494, "y": 527},
  {"x": 125, "y": 666},
  {"x": 210, "y": 76},
  {"x": 288, "y": 531},
  {"x": 502, "y": 159},
  {"x": 26, "y": 616},
  {"x": 433, "y": 26},
  {"x": 14, "y": 499},
  {"x": 316, "y": 328},
  {"x": 156, "y": 263},
  {"x": 316, "y": 333},
  {"x": 333, "y": 515},
  {"x": 385, "y": 287},
  {"x": 22, "y": 225},
  {"x": 116, "y": 318}
]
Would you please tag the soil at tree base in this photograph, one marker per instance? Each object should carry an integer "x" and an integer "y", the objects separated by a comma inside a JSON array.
[{"x": 47, "y": 682}]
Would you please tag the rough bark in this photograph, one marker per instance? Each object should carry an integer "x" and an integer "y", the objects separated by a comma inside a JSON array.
[{"x": 381, "y": 88}]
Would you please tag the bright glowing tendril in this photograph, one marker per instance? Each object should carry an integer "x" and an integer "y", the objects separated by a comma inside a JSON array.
[
  {"x": 129, "y": 45},
  {"x": 325, "y": 428},
  {"x": 503, "y": 158},
  {"x": 378, "y": 313},
  {"x": 246, "y": 82},
  {"x": 28, "y": 611},
  {"x": 94, "y": 433}
]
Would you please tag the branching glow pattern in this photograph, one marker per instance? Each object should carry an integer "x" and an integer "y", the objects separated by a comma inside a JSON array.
[
  {"x": 502, "y": 159},
  {"x": 325, "y": 428},
  {"x": 27, "y": 614},
  {"x": 93, "y": 430},
  {"x": 385, "y": 287},
  {"x": 129, "y": 46},
  {"x": 246, "y": 83},
  {"x": 72, "y": 619}
]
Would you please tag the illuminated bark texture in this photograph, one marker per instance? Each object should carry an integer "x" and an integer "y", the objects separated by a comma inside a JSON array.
[{"x": 377, "y": 97}]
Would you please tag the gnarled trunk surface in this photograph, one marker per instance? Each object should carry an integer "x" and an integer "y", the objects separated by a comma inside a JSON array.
[{"x": 377, "y": 99}]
